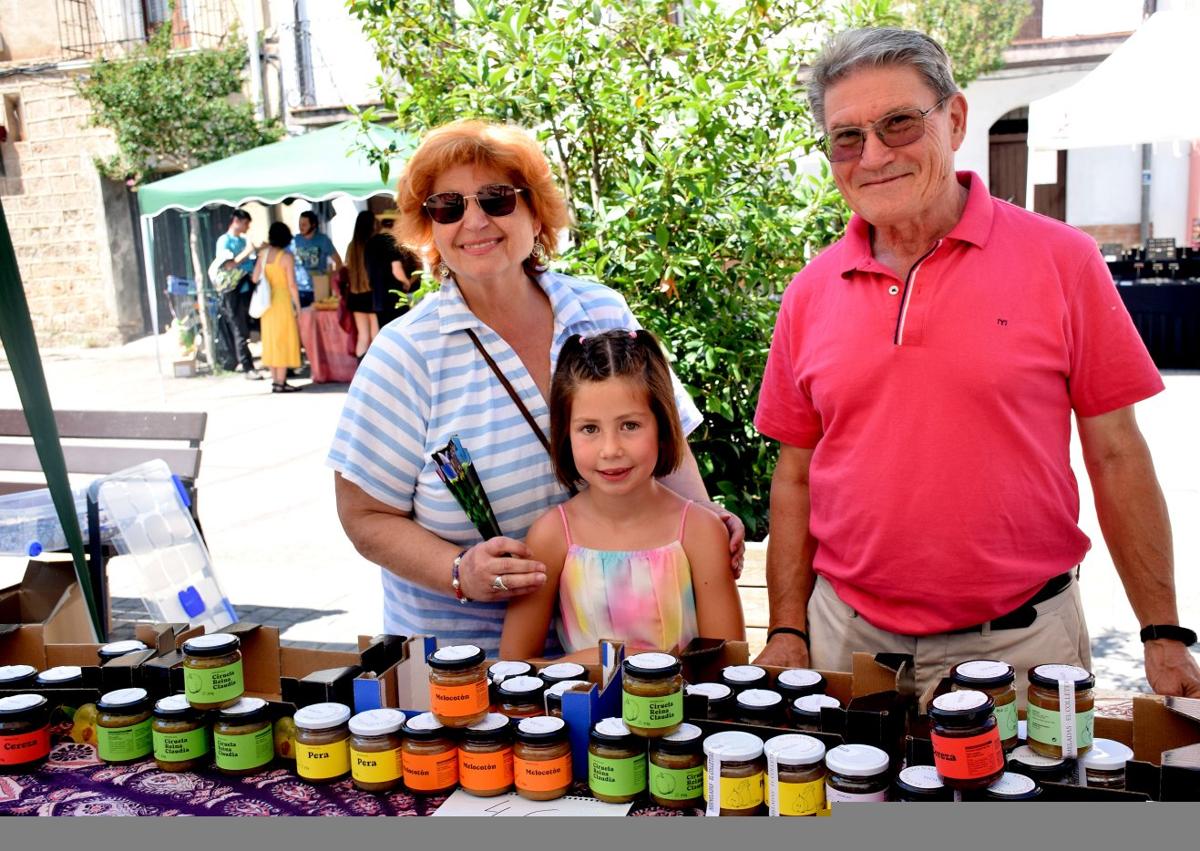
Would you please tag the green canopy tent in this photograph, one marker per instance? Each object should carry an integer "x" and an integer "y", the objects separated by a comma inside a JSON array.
[{"x": 316, "y": 166}]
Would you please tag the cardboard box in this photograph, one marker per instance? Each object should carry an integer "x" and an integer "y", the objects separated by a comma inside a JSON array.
[
  {"x": 381, "y": 658},
  {"x": 320, "y": 284},
  {"x": 46, "y": 607}
]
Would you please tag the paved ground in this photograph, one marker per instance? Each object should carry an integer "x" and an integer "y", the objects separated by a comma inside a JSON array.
[{"x": 266, "y": 500}]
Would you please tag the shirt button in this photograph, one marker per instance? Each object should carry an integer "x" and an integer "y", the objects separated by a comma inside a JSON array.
[{"x": 893, "y": 290}]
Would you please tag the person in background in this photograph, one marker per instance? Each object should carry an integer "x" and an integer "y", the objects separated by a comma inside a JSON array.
[
  {"x": 315, "y": 255},
  {"x": 236, "y": 262},
  {"x": 392, "y": 268},
  {"x": 280, "y": 333},
  {"x": 361, "y": 297}
]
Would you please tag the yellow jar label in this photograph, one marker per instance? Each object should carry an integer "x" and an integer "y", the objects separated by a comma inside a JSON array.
[
  {"x": 213, "y": 685},
  {"x": 321, "y": 762},
  {"x": 375, "y": 767},
  {"x": 1045, "y": 726},
  {"x": 740, "y": 793},
  {"x": 800, "y": 799}
]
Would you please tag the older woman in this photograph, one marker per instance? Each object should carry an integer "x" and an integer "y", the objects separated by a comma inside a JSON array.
[{"x": 479, "y": 200}]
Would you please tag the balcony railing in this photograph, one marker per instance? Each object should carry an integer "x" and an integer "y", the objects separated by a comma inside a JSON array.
[{"x": 92, "y": 28}]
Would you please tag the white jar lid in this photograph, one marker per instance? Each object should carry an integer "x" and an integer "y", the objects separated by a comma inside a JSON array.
[
  {"x": 1063, "y": 673},
  {"x": 491, "y": 721},
  {"x": 1013, "y": 784},
  {"x": 16, "y": 672},
  {"x": 1028, "y": 756},
  {"x": 504, "y": 669},
  {"x": 376, "y": 722},
  {"x": 566, "y": 685},
  {"x": 857, "y": 760},
  {"x": 322, "y": 716},
  {"x": 425, "y": 722},
  {"x": 743, "y": 673},
  {"x": 60, "y": 673},
  {"x": 811, "y": 704},
  {"x": 713, "y": 691},
  {"x": 685, "y": 733},
  {"x": 734, "y": 746},
  {"x": 571, "y": 670},
  {"x": 173, "y": 703},
  {"x": 922, "y": 777},
  {"x": 540, "y": 725},
  {"x": 614, "y": 727},
  {"x": 244, "y": 706},
  {"x": 1107, "y": 755},
  {"x": 960, "y": 701},
  {"x": 795, "y": 749},
  {"x": 20, "y": 702},
  {"x": 650, "y": 661},
  {"x": 122, "y": 647},
  {"x": 123, "y": 697},
  {"x": 984, "y": 669},
  {"x": 456, "y": 653},
  {"x": 759, "y": 698},
  {"x": 213, "y": 641},
  {"x": 522, "y": 685},
  {"x": 799, "y": 677}
]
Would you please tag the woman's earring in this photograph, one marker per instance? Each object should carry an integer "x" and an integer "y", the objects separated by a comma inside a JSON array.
[
  {"x": 541, "y": 258},
  {"x": 442, "y": 270}
]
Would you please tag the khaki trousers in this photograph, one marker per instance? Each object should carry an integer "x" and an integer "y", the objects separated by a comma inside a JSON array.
[{"x": 1059, "y": 634}]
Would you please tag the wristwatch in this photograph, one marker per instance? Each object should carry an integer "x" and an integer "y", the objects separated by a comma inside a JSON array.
[{"x": 1169, "y": 631}]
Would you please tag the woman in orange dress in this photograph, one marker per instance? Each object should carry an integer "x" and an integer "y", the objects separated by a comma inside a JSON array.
[{"x": 280, "y": 333}]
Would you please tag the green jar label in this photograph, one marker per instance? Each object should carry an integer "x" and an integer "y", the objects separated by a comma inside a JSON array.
[
  {"x": 251, "y": 750},
  {"x": 1006, "y": 720},
  {"x": 652, "y": 712},
  {"x": 677, "y": 784},
  {"x": 1045, "y": 726},
  {"x": 617, "y": 777},
  {"x": 180, "y": 747},
  {"x": 121, "y": 744},
  {"x": 213, "y": 685}
]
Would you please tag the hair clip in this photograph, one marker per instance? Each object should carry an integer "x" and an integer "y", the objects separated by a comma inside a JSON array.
[
  {"x": 633, "y": 335},
  {"x": 582, "y": 339}
]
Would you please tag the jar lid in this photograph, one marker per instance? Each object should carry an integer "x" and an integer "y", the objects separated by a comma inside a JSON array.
[
  {"x": 456, "y": 657},
  {"x": 759, "y": 698},
  {"x": 1107, "y": 755},
  {"x": 924, "y": 781},
  {"x": 612, "y": 731},
  {"x": 713, "y": 691},
  {"x": 542, "y": 729},
  {"x": 983, "y": 673},
  {"x": 857, "y": 760},
  {"x": 1013, "y": 787},
  {"x": 502, "y": 670},
  {"x": 376, "y": 722},
  {"x": 684, "y": 740},
  {"x": 795, "y": 749},
  {"x": 60, "y": 674},
  {"x": 216, "y": 644},
  {"x": 555, "y": 692},
  {"x": 810, "y": 705},
  {"x": 322, "y": 716},
  {"x": 13, "y": 673},
  {"x": 424, "y": 726},
  {"x": 245, "y": 709},
  {"x": 961, "y": 708},
  {"x": 1049, "y": 676},
  {"x": 1025, "y": 759},
  {"x": 174, "y": 706},
  {"x": 652, "y": 665},
  {"x": 561, "y": 671},
  {"x": 521, "y": 689},
  {"x": 124, "y": 698},
  {"x": 734, "y": 746},
  {"x": 743, "y": 676},
  {"x": 798, "y": 682},
  {"x": 119, "y": 648},
  {"x": 494, "y": 727},
  {"x": 19, "y": 704}
]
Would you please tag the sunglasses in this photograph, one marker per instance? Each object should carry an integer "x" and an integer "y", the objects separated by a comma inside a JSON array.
[
  {"x": 495, "y": 199},
  {"x": 895, "y": 130}
]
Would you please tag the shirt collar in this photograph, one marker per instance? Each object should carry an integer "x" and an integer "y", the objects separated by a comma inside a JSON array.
[
  {"x": 974, "y": 227},
  {"x": 455, "y": 315}
]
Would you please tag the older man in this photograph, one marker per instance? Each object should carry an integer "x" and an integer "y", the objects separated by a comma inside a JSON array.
[{"x": 921, "y": 381}]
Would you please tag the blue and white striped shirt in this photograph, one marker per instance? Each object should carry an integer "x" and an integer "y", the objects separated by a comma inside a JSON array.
[{"x": 422, "y": 382}]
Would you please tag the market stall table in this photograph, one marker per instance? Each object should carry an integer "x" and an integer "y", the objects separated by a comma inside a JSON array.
[
  {"x": 327, "y": 346},
  {"x": 1167, "y": 316}
]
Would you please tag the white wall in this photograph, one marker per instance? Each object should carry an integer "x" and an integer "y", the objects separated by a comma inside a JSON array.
[
  {"x": 344, "y": 68},
  {"x": 1090, "y": 17},
  {"x": 1104, "y": 187}
]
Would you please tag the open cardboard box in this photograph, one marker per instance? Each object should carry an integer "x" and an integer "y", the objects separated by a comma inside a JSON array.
[{"x": 46, "y": 607}]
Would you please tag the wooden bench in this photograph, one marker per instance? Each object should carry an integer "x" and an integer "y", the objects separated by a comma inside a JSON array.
[{"x": 99, "y": 443}]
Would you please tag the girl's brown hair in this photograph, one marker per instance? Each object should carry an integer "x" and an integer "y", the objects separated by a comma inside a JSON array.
[{"x": 635, "y": 355}]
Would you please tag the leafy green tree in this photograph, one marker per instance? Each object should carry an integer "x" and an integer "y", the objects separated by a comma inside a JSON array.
[
  {"x": 678, "y": 140},
  {"x": 172, "y": 111},
  {"x": 974, "y": 32}
]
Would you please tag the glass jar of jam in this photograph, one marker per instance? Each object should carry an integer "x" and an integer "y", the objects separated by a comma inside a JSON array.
[
  {"x": 857, "y": 774},
  {"x": 498, "y": 672},
  {"x": 542, "y": 759},
  {"x": 117, "y": 649},
  {"x": 521, "y": 697},
  {"x": 13, "y": 677},
  {"x": 733, "y": 774},
  {"x": 458, "y": 686},
  {"x": 1044, "y": 769},
  {"x": 1061, "y": 711},
  {"x": 430, "y": 756},
  {"x": 243, "y": 737},
  {"x": 376, "y": 750},
  {"x": 760, "y": 706},
  {"x": 63, "y": 676},
  {"x": 966, "y": 741},
  {"x": 652, "y": 694},
  {"x": 806, "y": 711},
  {"x": 323, "y": 742},
  {"x": 1104, "y": 764},
  {"x": 795, "y": 778},
  {"x": 616, "y": 762},
  {"x": 921, "y": 784},
  {"x": 24, "y": 733},
  {"x": 485, "y": 757},
  {"x": 795, "y": 683},
  {"x": 1013, "y": 787},
  {"x": 995, "y": 679},
  {"x": 677, "y": 769},
  {"x": 180, "y": 735},
  {"x": 123, "y": 726},
  {"x": 560, "y": 672},
  {"x": 721, "y": 700},
  {"x": 212, "y": 670},
  {"x": 741, "y": 677},
  {"x": 554, "y": 694}
]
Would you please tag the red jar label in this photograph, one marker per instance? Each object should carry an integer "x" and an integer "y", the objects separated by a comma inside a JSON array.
[
  {"x": 25, "y": 747},
  {"x": 968, "y": 758}
]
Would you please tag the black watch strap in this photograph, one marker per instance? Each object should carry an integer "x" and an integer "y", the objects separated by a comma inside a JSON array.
[
  {"x": 1181, "y": 634},
  {"x": 789, "y": 630}
]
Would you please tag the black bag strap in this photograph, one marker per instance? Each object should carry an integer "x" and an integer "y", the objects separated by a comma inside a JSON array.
[{"x": 512, "y": 392}]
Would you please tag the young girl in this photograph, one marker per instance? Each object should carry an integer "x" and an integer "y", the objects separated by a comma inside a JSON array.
[{"x": 626, "y": 558}]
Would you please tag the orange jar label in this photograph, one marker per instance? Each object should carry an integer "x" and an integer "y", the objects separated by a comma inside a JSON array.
[
  {"x": 25, "y": 747},
  {"x": 542, "y": 775},
  {"x": 485, "y": 771},
  {"x": 459, "y": 701},
  {"x": 430, "y": 772},
  {"x": 968, "y": 758}
]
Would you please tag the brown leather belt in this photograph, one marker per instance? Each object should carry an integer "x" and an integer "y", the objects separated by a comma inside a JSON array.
[{"x": 1025, "y": 614}]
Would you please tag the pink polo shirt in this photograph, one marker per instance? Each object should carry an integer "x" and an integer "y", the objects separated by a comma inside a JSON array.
[{"x": 939, "y": 410}]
